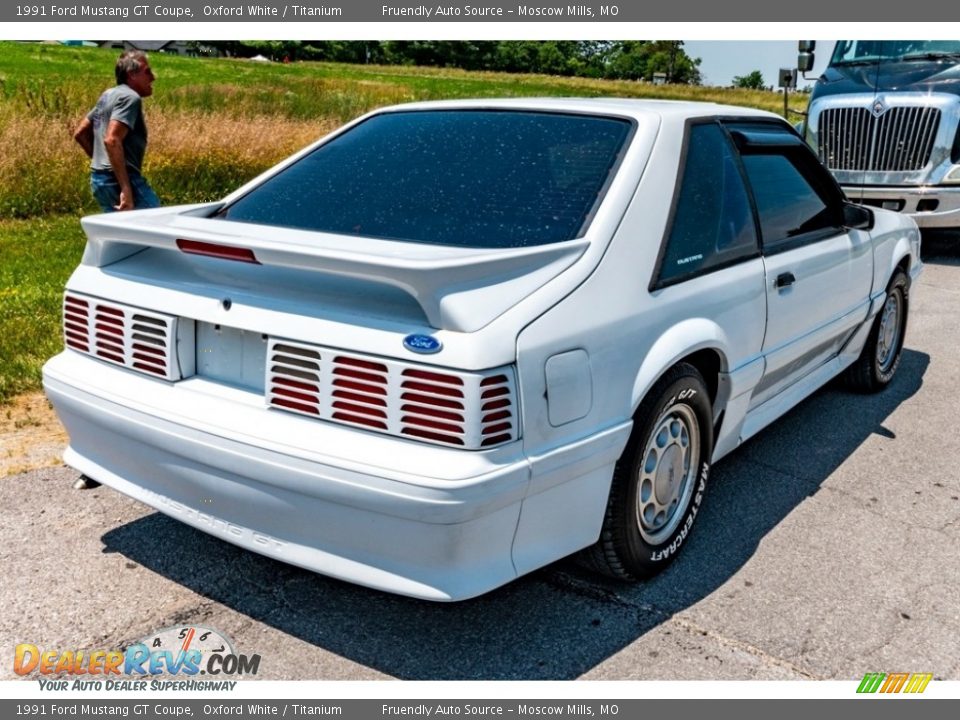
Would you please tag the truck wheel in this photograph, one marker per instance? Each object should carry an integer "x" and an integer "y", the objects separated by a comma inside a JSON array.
[
  {"x": 881, "y": 354},
  {"x": 659, "y": 482}
]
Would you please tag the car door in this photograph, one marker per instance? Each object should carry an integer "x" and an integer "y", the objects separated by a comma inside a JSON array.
[{"x": 818, "y": 271}]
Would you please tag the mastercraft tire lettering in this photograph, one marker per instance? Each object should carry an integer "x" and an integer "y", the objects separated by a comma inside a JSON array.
[{"x": 660, "y": 481}]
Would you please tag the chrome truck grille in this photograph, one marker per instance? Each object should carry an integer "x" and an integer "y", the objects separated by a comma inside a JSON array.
[{"x": 898, "y": 140}]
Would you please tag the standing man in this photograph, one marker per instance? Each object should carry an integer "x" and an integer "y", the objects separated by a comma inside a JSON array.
[{"x": 114, "y": 136}]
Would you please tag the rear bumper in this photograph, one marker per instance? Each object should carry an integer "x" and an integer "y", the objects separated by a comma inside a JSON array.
[
  {"x": 395, "y": 515},
  {"x": 943, "y": 202}
]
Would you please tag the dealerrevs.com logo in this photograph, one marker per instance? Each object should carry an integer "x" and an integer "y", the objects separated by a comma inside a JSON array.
[
  {"x": 184, "y": 652},
  {"x": 889, "y": 683}
]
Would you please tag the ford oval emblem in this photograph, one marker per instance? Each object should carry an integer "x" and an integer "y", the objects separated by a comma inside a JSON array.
[{"x": 424, "y": 344}]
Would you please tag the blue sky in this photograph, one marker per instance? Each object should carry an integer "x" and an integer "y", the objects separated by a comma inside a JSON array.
[{"x": 722, "y": 59}]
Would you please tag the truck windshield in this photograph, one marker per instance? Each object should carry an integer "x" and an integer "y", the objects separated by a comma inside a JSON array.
[
  {"x": 863, "y": 52},
  {"x": 471, "y": 178}
]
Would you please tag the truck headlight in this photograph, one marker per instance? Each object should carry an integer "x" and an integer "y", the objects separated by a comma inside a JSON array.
[{"x": 953, "y": 176}]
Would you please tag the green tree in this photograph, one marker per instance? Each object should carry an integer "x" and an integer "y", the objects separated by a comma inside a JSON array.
[
  {"x": 348, "y": 51},
  {"x": 629, "y": 60},
  {"x": 640, "y": 60},
  {"x": 752, "y": 81}
]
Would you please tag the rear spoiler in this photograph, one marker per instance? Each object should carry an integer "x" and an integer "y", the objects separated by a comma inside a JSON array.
[{"x": 459, "y": 289}]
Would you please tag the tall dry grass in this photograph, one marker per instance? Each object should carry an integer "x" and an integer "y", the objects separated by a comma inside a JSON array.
[
  {"x": 204, "y": 139},
  {"x": 192, "y": 157},
  {"x": 41, "y": 169},
  {"x": 299, "y": 98},
  {"x": 196, "y": 157}
]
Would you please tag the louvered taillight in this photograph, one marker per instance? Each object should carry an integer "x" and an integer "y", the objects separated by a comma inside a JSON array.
[
  {"x": 294, "y": 374},
  {"x": 472, "y": 410},
  {"x": 433, "y": 406},
  {"x": 120, "y": 334},
  {"x": 359, "y": 392}
]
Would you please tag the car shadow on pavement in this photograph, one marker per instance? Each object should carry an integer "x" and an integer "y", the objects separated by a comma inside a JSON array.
[{"x": 557, "y": 623}]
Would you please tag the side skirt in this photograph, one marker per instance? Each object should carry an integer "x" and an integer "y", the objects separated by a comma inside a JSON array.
[{"x": 780, "y": 404}]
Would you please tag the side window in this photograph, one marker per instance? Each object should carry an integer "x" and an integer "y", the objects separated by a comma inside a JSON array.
[
  {"x": 787, "y": 203},
  {"x": 712, "y": 224}
]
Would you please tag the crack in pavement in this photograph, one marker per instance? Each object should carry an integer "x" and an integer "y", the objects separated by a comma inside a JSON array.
[
  {"x": 885, "y": 516},
  {"x": 743, "y": 646},
  {"x": 564, "y": 581}
]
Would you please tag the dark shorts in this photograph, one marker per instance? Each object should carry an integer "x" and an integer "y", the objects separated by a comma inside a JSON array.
[{"x": 106, "y": 191}]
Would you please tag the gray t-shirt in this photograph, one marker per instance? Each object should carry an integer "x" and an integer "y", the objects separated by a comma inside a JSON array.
[{"x": 123, "y": 104}]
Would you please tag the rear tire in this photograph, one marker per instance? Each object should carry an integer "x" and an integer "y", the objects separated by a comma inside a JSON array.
[
  {"x": 660, "y": 480},
  {"x": 881, "y": 354}
]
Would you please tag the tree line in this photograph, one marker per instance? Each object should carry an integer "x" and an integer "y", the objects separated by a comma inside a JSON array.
[{"x": 621, "y": 60}]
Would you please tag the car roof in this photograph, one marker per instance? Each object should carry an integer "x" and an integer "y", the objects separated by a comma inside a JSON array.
[{"x": 635, "y": 108}]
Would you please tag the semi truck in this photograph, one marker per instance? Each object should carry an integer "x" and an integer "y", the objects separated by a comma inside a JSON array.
[{"x": 884, "y": 117}]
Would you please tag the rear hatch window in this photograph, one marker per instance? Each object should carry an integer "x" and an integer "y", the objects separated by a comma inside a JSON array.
[{"x": 467, "y": 178}]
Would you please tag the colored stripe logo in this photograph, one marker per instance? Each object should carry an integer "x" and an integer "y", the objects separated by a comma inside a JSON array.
[{"x": 894, "y": 682}]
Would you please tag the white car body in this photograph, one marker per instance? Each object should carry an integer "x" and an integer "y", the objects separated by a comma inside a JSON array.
[{"x": 571, "y": 332}]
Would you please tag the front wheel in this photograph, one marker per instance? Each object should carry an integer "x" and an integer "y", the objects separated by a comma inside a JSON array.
[
  {"x": 881, "y": 354},
  {"x": 659, "y": 482}
]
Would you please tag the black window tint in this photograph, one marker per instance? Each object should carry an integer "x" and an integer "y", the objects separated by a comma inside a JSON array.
[
  {"x": 467, "y": 178},
  {"x": 712, "y": 221},
  {"x": 787, "y": 204}
]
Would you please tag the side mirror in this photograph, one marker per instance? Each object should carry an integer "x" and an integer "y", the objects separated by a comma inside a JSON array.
[
  {"x": 857, "y": 217},
  {"x": 805, "y": 57}
]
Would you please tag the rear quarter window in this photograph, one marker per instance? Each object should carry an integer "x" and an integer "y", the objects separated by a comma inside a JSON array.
[
  {"x": 712, "y": 223},
  {"x": 488, "y": 179}
]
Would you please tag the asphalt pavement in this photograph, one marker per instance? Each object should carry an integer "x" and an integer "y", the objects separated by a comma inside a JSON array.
[{"x": 828, "y": 547}]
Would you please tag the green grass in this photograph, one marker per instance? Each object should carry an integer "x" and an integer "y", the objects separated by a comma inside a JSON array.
[
  {"x": 214, "y": 123},
  {"x": 37, "y": 258}
]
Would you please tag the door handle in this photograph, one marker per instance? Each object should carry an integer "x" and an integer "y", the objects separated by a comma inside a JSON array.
[{"x": 785, "y": 280}]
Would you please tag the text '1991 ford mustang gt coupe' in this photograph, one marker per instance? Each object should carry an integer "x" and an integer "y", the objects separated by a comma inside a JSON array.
[{"x": 453, "y": 342}]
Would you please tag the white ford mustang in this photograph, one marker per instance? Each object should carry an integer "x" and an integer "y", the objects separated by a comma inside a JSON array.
[{"x": 453, "y": 342}]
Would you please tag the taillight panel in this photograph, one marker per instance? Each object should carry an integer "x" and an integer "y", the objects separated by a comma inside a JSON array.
[
  {"x": 470, "y": 410},
  {"x": 134, "y": 338},
  {"x": 473, "y": 410}
]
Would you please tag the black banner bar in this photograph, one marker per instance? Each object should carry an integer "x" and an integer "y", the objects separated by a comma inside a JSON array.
[
  {"x": 743, "y": 709},
  {"x": 739, "y": 11}
]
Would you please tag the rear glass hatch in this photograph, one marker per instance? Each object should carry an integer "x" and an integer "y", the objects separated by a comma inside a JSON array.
[{"x": 462, "y": 178}]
